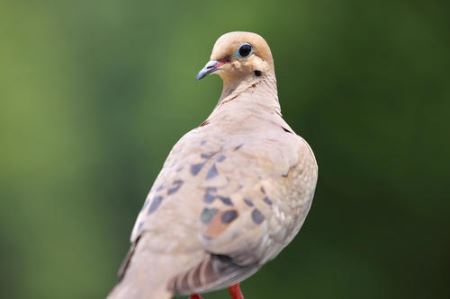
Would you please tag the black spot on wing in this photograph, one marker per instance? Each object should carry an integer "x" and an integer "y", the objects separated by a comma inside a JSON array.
[
  {"x": 226, "y": 200},
  {"x": 221, "y": 158},
  {"x": 209, "y": 194},
  {"x": 229, "y": 216},
  {"x": 257, "y": 216},
  {"x": 238, "y": 147},
  {"x": 267, "y": 200},
  {"x": 207, "y": 155},
  {"x": 209, "y": 198},
  {"x": 175, "y": 187},
  {"x": 286, "y": 130},
  {"x": 263, "y": 190},
  {"x": 156, "y": 201},
  {"x": 196, "y": 168},
  {"x": 212, "y": 172},
  {"x": 248, "y": 202},
  {"x": 207, "y": 215}
]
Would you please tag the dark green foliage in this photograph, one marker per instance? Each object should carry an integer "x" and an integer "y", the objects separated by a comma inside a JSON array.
[{"x": 93, "y": 94}]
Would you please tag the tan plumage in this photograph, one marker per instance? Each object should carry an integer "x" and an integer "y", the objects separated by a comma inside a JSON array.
[{"x": 232, "y": 193}]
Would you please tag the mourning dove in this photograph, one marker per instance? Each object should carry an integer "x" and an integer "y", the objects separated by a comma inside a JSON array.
[{"x": 232, "y": 193}]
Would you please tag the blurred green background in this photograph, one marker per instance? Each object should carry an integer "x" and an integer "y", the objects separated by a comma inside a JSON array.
[{"x": 93, "y": 94}]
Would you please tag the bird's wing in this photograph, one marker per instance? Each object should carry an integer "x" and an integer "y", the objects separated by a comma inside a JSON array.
[
  {"x": 238, "y": 201},
  {"x": 251, "y": 210}
]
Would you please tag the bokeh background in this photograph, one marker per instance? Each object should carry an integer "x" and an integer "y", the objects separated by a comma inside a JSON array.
[{"x": 93, "y": 94}]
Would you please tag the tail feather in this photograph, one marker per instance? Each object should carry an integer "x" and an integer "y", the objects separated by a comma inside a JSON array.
[
  {"x": 140, "y": 276},
  {"x": 212, "y": 273}
]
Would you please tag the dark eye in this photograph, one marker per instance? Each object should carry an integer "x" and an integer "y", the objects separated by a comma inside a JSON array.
[{"x": 245, "y": 50}]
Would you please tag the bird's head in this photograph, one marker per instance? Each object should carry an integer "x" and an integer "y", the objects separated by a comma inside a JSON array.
[{"x": 238, "y": 56}]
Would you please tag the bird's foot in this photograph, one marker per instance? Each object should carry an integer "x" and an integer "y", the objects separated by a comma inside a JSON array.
[{"x": 235, "y": 291}]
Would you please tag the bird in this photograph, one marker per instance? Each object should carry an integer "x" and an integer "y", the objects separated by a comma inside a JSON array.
[{"x": 232, "y": 193}]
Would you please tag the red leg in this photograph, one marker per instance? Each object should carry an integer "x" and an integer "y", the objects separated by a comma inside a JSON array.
[
  {"x": 235, "y": 291},
  {"x": 195, "y": 296}
]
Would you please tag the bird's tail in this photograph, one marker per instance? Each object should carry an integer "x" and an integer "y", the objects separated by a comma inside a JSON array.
[{"x": 141, "y": 276}]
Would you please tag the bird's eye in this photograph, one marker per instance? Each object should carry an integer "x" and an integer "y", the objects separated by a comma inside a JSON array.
[{"x": 244, "y": 50}]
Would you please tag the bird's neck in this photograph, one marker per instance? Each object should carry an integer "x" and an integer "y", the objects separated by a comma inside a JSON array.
[{"x": 257, "y": 92}]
